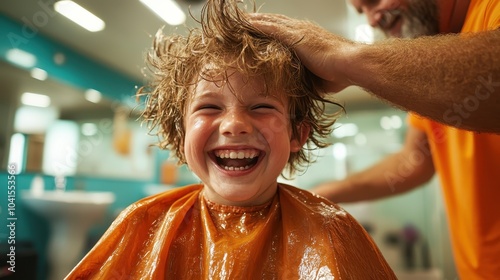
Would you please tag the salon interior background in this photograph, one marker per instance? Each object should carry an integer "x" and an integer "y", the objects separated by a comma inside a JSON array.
[{"x": 72, "y": 65}]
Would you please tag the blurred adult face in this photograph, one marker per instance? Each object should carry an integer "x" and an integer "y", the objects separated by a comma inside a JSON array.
[{"x": 401, "y": 18}]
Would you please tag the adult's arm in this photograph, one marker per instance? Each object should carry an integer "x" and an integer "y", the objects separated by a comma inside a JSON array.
[
  {"x": 400, "y": 172},
  {"x": 453, "y": 79}
]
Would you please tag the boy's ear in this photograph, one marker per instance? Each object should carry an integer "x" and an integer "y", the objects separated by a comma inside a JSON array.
[{"x": 296, "y": 144}]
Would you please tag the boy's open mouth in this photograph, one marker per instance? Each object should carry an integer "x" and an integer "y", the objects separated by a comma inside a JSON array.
[{"x": 236, "y": 160}]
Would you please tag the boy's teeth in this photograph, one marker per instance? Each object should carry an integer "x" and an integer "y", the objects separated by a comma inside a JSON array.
[
  {"x": 236, "y": 154},
  {"x": 232, "y": 168},
  {"x": 237, "y": 160}
]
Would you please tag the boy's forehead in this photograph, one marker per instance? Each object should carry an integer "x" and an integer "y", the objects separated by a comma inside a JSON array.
[
  {"x": 237, "y": 83},
  {"x": 213, "y": 77},
  {"x": 216, "y": 74}
]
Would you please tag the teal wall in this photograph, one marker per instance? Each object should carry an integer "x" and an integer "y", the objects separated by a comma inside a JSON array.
[
  {"x": 35, "y": 230},
  {"x": 80, "y": 72}
]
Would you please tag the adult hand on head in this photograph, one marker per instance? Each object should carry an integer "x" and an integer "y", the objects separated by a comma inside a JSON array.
[
  {"x": 322, "y": 52},
  {"x": 432, "y": 76}
]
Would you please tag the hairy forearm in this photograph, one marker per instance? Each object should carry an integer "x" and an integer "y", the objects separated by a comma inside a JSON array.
[
  {"x": 408, "y": 168},
  {"x": 392, "y": 176},
  {"x": 453, "y": 79}
]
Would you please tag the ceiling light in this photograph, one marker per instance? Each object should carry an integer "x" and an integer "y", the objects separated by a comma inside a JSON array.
[
  {"x": 79, "y": 15},
  {"x": 21, "y": 58},
  {"x": 35, "y": 99},
  {"x": 93, "y": 95},
  {"x": 168, "y": 10},
  {"x": 39, "y": 74}
]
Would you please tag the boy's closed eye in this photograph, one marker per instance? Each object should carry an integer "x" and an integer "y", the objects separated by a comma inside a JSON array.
[
  {"x": 205, "y": 108},
  {"x": 267, "y": 106},
  {"x": 263, "y": 107},
  {"x": 208, "y": 107}
]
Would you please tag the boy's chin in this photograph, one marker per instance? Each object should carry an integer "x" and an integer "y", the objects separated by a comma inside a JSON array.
[{"x": 238, "y": 196}]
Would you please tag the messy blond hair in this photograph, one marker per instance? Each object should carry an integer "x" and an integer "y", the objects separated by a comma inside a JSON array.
[{"x": 226, "y": 41}]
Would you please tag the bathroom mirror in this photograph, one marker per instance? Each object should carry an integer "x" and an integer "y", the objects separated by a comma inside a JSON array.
[{"x": 71, "y": 135}]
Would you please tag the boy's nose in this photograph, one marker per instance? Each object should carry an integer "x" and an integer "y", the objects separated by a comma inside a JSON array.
[{"x": 235, "y": 123}]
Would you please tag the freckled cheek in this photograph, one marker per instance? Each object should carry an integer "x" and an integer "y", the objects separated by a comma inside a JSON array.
[
  {"x": 276, "y": 126},
  {"x": 197, "y": 133},
  {"x": 275, "y": 130},
  {"x": 197, "y": 126}
]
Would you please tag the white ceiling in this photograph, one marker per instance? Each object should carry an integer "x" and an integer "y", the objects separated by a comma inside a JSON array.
[{"x": 129, "y": 26}]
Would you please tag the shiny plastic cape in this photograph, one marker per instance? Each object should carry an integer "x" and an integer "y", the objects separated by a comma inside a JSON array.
[{"x": 180, "y": 235}]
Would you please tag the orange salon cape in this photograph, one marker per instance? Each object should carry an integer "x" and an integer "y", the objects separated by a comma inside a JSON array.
[{"x": 180, "y": 235}]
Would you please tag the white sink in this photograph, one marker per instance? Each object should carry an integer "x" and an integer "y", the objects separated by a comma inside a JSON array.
[
  {"x": 70, "y": 214},
  {"x": 52, "y": 205}
]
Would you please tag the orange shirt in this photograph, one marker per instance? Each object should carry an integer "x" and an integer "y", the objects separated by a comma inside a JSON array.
[
  {"x": 180, "y": 235},
  {"x": 468, "y": 164}
]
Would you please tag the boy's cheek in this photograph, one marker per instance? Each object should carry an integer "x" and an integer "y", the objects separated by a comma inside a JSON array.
[{"x": 276, "y": 125}]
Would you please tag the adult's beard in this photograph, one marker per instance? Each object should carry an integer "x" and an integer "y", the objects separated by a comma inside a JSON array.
[{"x": 420, "y": 19}]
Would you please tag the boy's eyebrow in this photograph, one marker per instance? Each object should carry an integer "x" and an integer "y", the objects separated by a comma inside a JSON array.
[
  {"x": 273, "y": 96},
  {"x": 206, "y": 94}
]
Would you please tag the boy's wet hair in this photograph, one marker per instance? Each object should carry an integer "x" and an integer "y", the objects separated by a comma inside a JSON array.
[{"x": 227, "y": 42}]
